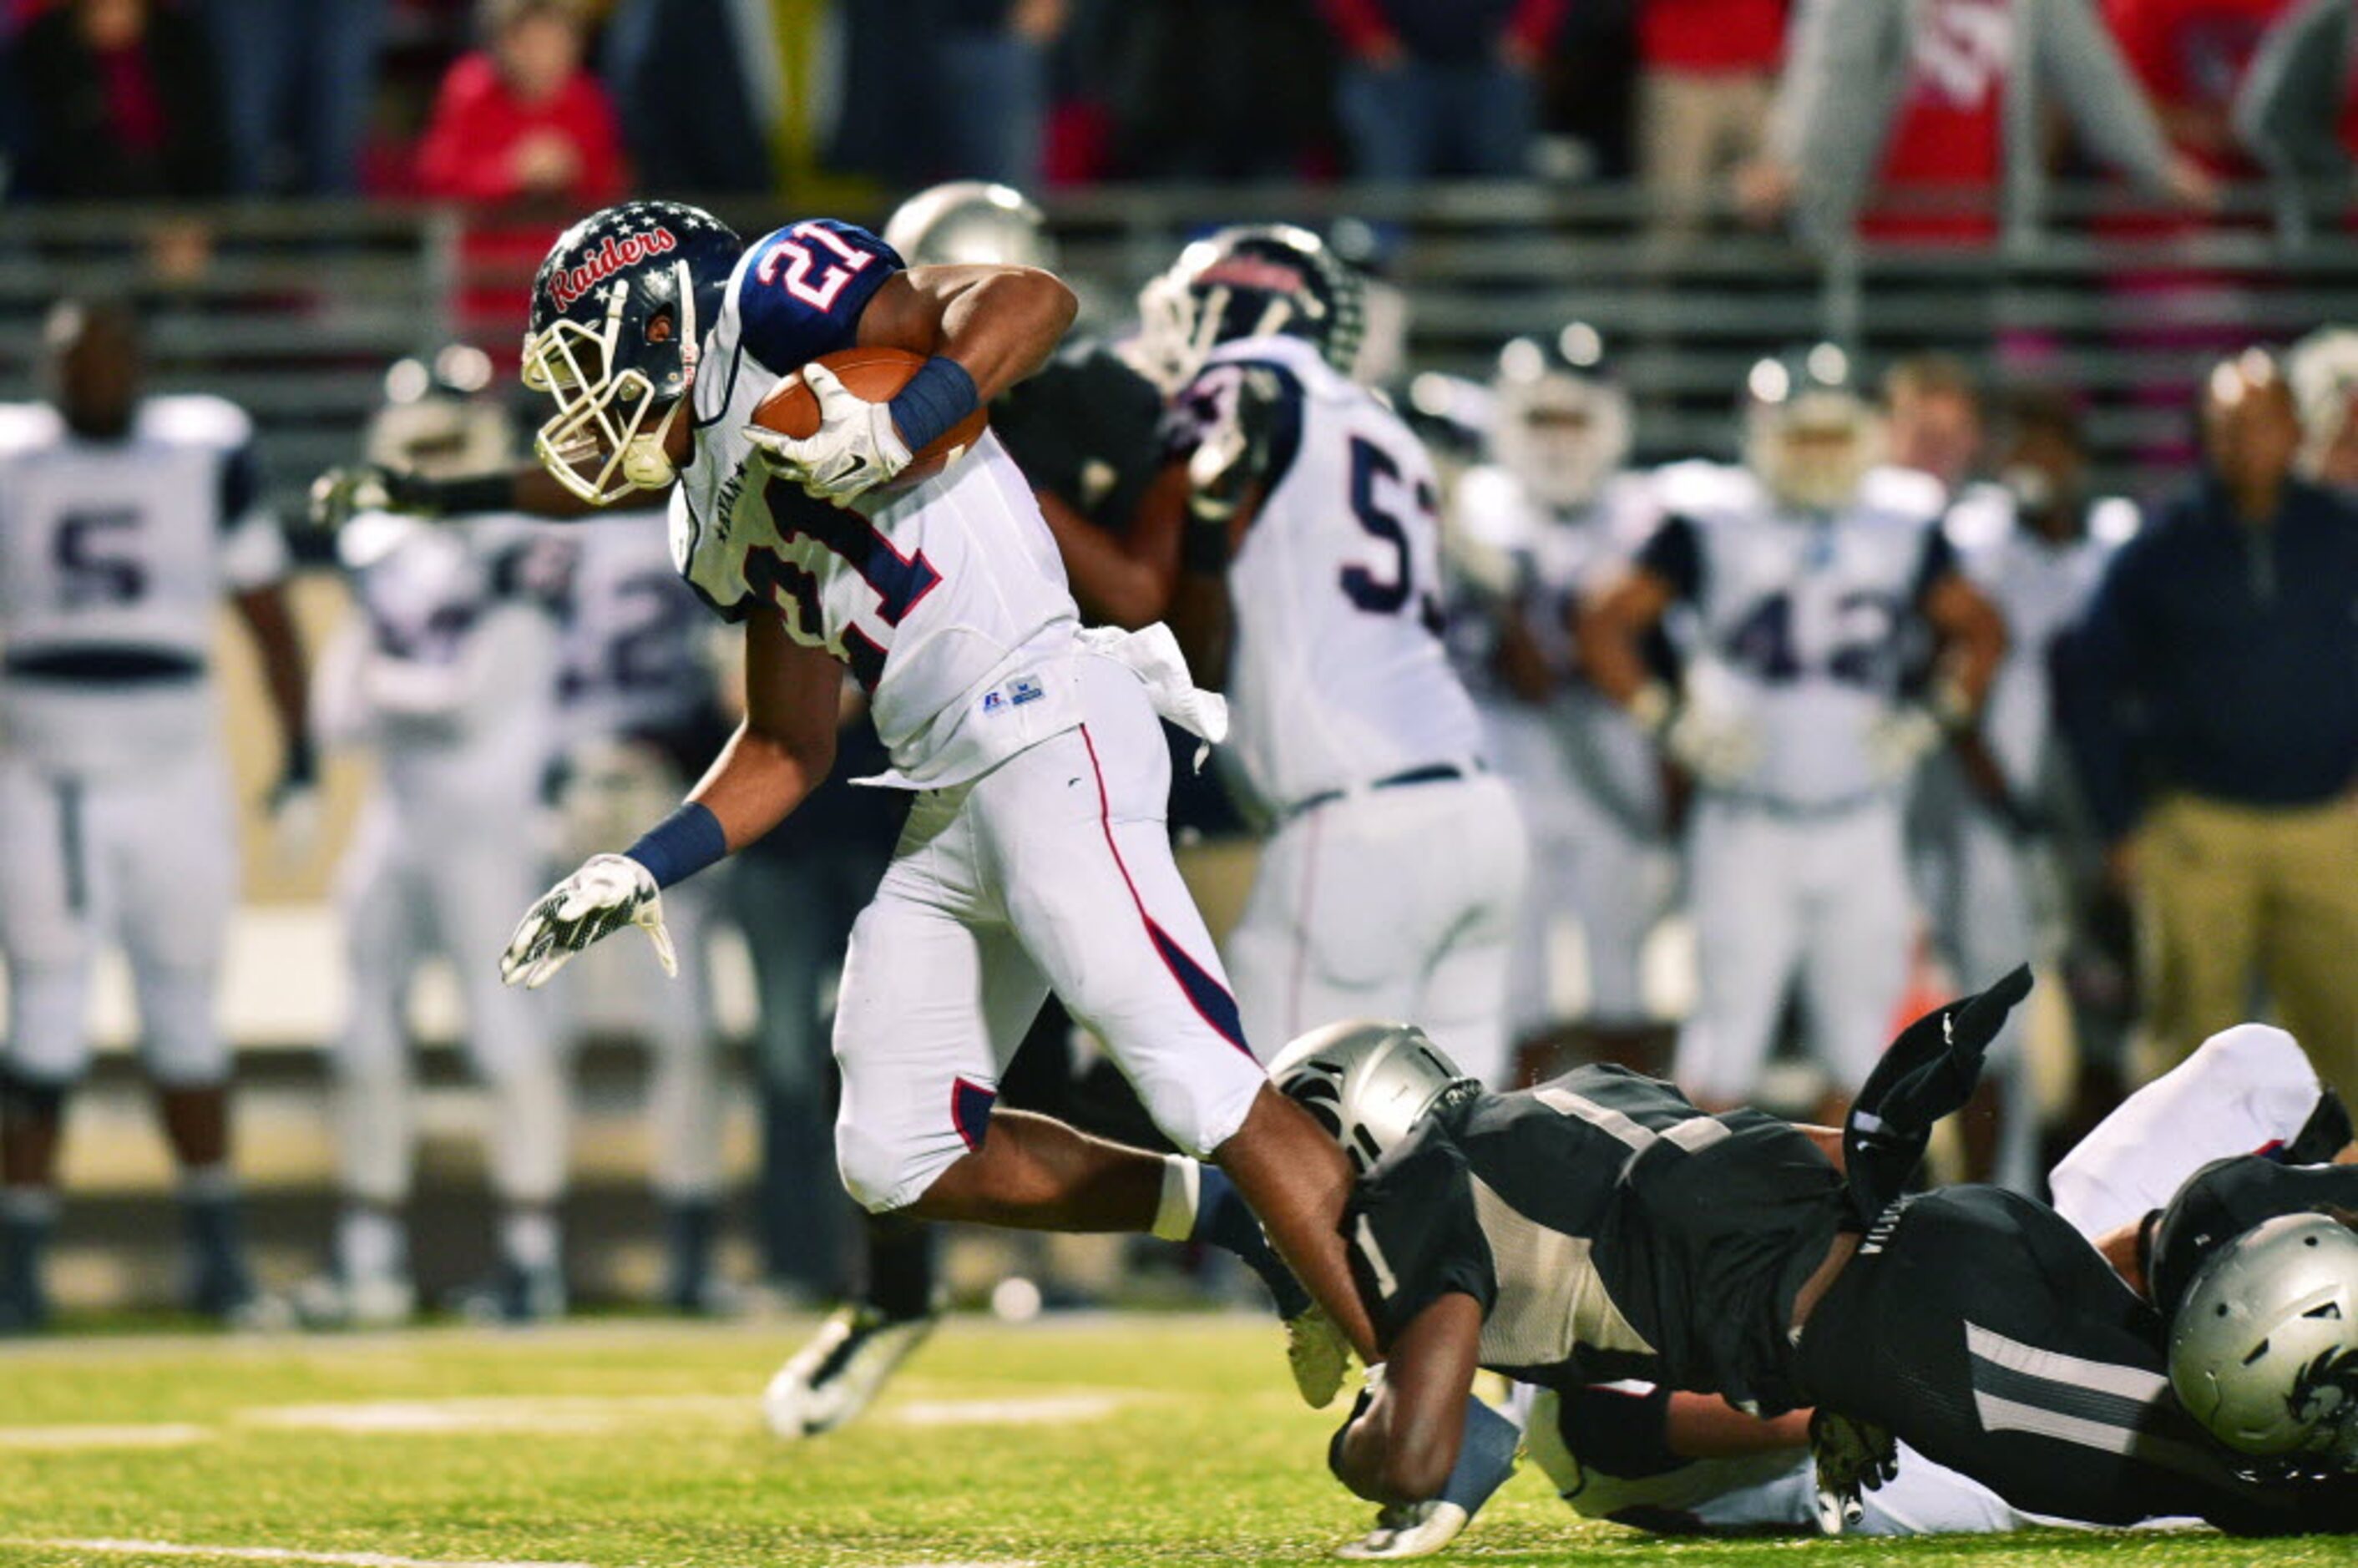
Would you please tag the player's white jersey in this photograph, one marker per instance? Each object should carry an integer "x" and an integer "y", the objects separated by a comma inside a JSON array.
[
  {"x": 1337, "y": 673},
  {"x": 114, "y": 556},
  {"x": 631, "y": 659},
  {"x": 1802, "y": 623},
  {"x": 1507, "y": 546},
  {"x": 454, "y": 677},
  {"x": 2041, "y": 588},
  {"x": 947, "y": 600}
]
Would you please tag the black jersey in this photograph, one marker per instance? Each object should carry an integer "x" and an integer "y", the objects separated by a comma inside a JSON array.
[
  {"x": 2227, "y": 1197},
  {"x": 1087, "y": 428},
  {"x": 1609, "y": 1229}
]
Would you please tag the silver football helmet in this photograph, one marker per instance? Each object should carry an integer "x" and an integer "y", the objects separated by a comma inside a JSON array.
[
  {"x": 1810, "y": 434},
  {"x": 1366, "y": 1083},
  {"x": 968, "y": 222},
  {"x": 2324, "y": 368},
  {"x": 439, "y": 419},
  {"x": 2264, "y": 1350},
  {"x": 1561, "y": 423}
]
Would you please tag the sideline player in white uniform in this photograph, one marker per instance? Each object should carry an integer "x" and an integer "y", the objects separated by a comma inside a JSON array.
[
  {"x": 449, "y": 672},
  {"x": 2036, "y": 544},
  {"x": 1035, "y": 854},
  {"x": 1805, "y": 589},
  {"x": 1310, "y": 592},
  {"x": 640, "y": 717},
  {"x": 1550, "y": 511},
  {"x": 125, "y": 520}
]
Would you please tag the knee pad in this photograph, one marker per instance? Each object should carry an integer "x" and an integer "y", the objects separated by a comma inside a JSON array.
[
  {"x": 179, "y": 1042},
  {"x": 880, "y": 1178},
  {"x": 48, "y": 1042}
]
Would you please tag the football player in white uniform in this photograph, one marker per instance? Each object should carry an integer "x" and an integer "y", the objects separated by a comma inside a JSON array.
[
  {"x": 2036, "y": 544},
  {"x": 1552, "y": 510},
  {"x": 1804, "y": 588},
  {"x": 124, "y": 522},
  {"x": 1310, "y": 591},
  {"x": 449, "y": 672},
  {"x": 641, "y": 716},
  {"x": 1034, "y": 856}
]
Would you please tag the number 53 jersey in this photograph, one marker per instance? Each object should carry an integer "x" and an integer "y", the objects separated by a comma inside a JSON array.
[
  {"x": 1337, "y": 674},
  {"x": 114, "y": 556},
  {"x": 947, "y": 600}
]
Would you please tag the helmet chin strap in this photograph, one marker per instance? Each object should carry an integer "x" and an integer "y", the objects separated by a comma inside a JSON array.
[{"x": 647, "y": 460}]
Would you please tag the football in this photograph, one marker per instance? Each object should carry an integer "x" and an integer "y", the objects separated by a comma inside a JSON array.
[{"x": 877, "y": 375}]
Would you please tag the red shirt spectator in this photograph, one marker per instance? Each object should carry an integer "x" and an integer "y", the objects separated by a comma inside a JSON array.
[
  {"x": 2189, "y": 56},
  {"x": 1700, "y": 37},
  {"x": 524, "y": 124},
  {"x": 523, "y": 119},
  {"x": 1950, "y": 135}
]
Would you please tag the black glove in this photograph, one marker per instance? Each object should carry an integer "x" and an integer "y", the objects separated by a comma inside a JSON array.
[{"x": 1925, "y": 1074}]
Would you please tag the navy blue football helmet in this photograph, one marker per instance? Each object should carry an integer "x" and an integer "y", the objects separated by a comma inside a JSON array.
[
  {"x": 619, "y": 309},
  {"x": 1561, "y": 420},
  {"x": 1250, "y": 282}
]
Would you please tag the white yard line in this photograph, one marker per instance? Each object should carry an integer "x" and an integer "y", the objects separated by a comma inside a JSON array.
[
  {"x": 158, "y": 1435},
  {"x": 271, "y": 1554},
  {"x": 1041, "y": 1411}
]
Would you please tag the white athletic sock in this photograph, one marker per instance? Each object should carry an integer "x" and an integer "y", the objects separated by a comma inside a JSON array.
[
  {"x": 1183, "y": 1181},
  {"x": 370, "y": 1244},
  {"x": 529, "y": 1240}
]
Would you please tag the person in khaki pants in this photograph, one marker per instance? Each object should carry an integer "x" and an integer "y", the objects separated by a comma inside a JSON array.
[{"x": 2210, "y": 700}]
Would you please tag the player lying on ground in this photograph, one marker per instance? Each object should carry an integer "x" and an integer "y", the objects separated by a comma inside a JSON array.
[
  {"x": 1600, "y": 1228},
  {"x": 1035, "y": 855},
  {"x": 1683, "y": 1463}
]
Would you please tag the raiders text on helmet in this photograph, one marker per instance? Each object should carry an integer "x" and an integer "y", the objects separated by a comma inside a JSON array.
[
  {"x": 618, "y": 311},
  {"x": 1366, "y": 1083},
  {"x": 1250, "y": 282}
]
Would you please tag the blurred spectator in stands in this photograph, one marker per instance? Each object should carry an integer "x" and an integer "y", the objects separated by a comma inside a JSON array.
[
  {"x": 1932, "y": 417},
  {"x": 2294, "y": 110},
  {"x": 121, "y": 102},
  {"x": 519, "y": 125},
  {"x": 2190, "y": 55},
  {"x": 300, "y": 79},
  {"x": 1440, "y": 88},
  {"x": 992, "y": 65},
  {"x": 1915, "y": 100},
  {"x": 1708, "y": 75},
  {"x": 1255, "y": 117},
  {"x": 714, "y": 140},
  {"x": 2209, "y": 705},
  {"x": 2323, "y": 368},
  {"x": 520, "y": 118}
]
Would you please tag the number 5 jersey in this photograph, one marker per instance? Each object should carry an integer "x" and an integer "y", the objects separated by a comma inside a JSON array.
[{"x": 114, "y": 556}]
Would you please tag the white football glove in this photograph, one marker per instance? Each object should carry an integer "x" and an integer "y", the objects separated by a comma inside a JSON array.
[
  {"x": 1417, "y": 1530},
  {"x": 855, "y": 447},
  {"x": 1718, "y": 747},
  {"x": 607, "y": 893},
  {"x": 1898, "y": 740}
]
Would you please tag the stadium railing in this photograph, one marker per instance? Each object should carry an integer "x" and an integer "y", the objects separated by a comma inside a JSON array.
[{"x": 296, "y": 308}]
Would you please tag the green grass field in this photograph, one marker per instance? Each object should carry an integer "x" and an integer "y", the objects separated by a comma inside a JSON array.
[{"x": 1131, "y": 1440}]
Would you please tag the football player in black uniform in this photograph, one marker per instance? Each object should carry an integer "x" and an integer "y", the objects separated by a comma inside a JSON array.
[{"x": 1601, "y": 1226}]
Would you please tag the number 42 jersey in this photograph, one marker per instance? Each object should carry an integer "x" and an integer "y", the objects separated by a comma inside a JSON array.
[
  {"x": 947, "y": 600},
  {"x": 1338, "y": 674}
]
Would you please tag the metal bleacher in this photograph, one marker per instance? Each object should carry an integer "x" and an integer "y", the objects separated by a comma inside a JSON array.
[{"x": 301, "y": 306}]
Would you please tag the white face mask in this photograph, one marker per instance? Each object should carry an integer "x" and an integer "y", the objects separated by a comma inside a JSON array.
[
  {"x": 609, "y": 435},
  {"x": 1819, "y": 471}
]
